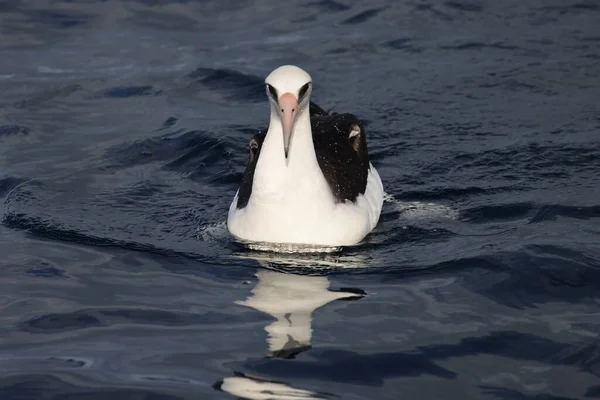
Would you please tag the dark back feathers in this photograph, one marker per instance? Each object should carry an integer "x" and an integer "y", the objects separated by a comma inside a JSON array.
[{"x": 341, "y": 149}]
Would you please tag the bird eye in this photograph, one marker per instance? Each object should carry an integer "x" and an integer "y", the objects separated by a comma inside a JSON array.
[
  {"x": 272, "y": 90},
  {"x": 303, "y": 90}
]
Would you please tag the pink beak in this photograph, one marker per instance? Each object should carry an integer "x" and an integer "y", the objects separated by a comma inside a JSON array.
[{"x": 288, "y": 111}]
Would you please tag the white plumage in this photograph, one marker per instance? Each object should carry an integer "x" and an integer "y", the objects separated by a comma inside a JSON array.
[{"x": 291, "y": 200}]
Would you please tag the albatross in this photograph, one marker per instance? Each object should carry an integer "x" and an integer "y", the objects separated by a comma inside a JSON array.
[{"x": 308, "y": 180}]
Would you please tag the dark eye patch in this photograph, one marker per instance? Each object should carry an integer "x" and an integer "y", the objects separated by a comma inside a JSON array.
[
  {"x": 303, "y": 90},
  {"x": 272, "y": 90}
]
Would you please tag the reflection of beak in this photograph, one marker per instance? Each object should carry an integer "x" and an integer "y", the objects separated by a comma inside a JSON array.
[{"x": 288, "y": 111}]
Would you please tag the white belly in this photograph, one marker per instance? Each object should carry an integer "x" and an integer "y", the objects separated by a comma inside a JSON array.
[{"x": 306, "y": 213}]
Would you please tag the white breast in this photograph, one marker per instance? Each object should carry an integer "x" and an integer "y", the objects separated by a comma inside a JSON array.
[
  {"x": 308, "y": 214},
  {"x": 291, "y": 201}
]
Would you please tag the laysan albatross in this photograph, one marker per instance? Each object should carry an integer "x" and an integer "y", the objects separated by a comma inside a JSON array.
[{"x": 308, "y": 180}]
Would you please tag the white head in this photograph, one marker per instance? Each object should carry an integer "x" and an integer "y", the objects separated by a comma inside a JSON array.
[{"x": 288, "y": 89}]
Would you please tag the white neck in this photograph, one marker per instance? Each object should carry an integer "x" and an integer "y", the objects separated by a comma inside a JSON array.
[
  {"x": 274, "y": 173},
  {"x": 302, "y": 147}
]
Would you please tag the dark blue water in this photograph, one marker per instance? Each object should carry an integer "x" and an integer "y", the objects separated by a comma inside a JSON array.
[{"x": 123, "y": 135}]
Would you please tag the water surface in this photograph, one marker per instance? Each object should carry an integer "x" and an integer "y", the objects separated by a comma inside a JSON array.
[{"x": 123, "y": 136}]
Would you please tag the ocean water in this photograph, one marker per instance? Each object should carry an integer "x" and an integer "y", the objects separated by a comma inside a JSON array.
[{"x": 124, "y": 128}]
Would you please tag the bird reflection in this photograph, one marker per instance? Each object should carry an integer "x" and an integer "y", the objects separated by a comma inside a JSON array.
[
  {"x": 254, "y": 388},
  {"x": 291, "y": 300}
]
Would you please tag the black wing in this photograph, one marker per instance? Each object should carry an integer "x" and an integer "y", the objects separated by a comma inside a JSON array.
[
  {"x": 341, "y": 148},
  {"x": 342, "y": 157},
  {"x": 246, "y": 185}
]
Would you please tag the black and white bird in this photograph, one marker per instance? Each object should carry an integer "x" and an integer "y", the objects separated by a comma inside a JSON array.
[{"x": 308, "y": 179}]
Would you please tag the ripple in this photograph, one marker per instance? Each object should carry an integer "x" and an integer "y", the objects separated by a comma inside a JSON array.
[
  {"x": 417, "y": 210},
  {"x": 233, "y": 85},
  {"x": 512, "y": 394},
  {"x": 506, "y": 212},
  {"x": 520, "y": 346},
  {"x": 464, "y": 6},
  {"x": 196, "y": 154},
  {"x": 409, "y": 234},
  {"x": 47, "y": 272},
  {"x": 363, "y": 16},
  {"x": 479, "y": 46},
  {"x": 169, "y": 122},
  {"x": 329, "y": 6},
  {"x": 14, "y": 130},
  {"x": 9, "y": 183},
  {"x": 57, "y": 95},
  {"x": 59, "y": 19},
  {"x": 131, "y": 91},
  {"x": 102, "y": 318},
  {"x": 552, "y": 272},
  {"x": 159, "y": 148},
  {"x": 442, "y": 193},
  {"x": 514, "y": 85},
  {"x": 551, "y": 212},
  {"x": 204, "y": 156},
  {"x": 432, "y": 10},
  {"x": 60, "y": 323},
  {"x": 405, "y": 44},
  {"x": 35, "y": 386},
  {"x": 368, "y": 369},
  {"x": 54, "y": 362},
  {"x": 52, "y": 230},
  {"x": 70, "y": 362},
  {"x": 534, "y": 161},
  {"x": 574, "y": 8}
]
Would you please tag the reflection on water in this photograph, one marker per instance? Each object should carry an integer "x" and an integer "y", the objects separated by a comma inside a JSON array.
[
  {"x": 292, "y": 248},
  {"x": 304, "y": 261},
  {"x": 123, "y": 138},
  {"x": 291, "y": 300},
  {"x": 248, "y": 387}
]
